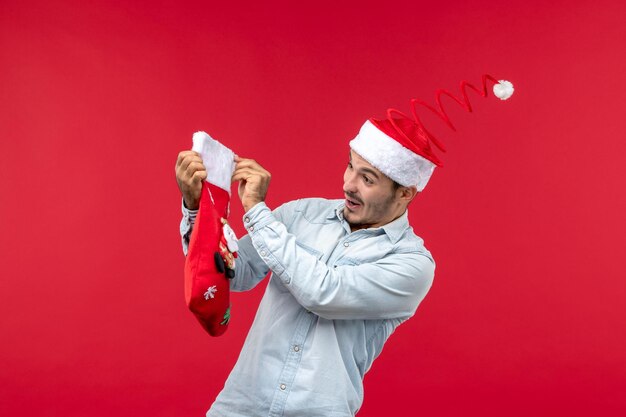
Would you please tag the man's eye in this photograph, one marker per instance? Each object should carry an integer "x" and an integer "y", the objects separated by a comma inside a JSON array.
[
  {"x": 366, "y": 179},
  {"x": 350, "y": 165}
]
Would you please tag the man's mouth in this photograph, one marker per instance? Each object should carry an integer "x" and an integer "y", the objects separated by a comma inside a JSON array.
[{"x": 352, "y": 204}]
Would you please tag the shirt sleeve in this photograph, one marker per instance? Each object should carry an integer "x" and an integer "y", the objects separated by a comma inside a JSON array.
[
  {"x": 391, "y": 287},
  {"x": 250, "y": 268}
]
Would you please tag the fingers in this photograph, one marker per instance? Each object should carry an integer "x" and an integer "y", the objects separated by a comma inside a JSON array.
[
  {"x": 246, "y": 174},
  {"x": 243, "y": 174},
  {"x": 189, "y": 168},
  {"x": 185, "y": 158},
  {"x": 198, "y": 176},
  {"x": 248, "y": 163},
  {"x": 190, "y": 172},
  {"x": 254, "y": 181},
  {"x": 185, "y": 154},
  {"x": 247, "y": 168},
  {"x": 192, "y": 168}
]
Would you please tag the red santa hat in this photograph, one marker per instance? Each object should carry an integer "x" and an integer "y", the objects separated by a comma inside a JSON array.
[{"x": 400, "y": 146}]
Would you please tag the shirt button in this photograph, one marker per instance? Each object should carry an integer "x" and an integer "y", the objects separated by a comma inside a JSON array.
[
  {"x": 296, "y": 348},
  {"x": 283, "y": 387},
  {"x": 251, "y": 228},
  {"x": 346, "y": 244},
  {"x": 247, "y": 219},
  {"x": 263, "y": 253}
]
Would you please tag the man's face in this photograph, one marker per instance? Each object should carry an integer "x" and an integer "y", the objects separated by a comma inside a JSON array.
[{"x": 371, "y": 198}]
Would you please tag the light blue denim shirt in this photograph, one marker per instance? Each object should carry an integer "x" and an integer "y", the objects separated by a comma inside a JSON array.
[{"x": 333, "y": 299}]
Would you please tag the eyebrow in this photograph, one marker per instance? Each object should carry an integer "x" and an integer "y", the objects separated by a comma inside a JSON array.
[
  {"x": 370, "y": 171},
  {"x": 366, "y": 170}
]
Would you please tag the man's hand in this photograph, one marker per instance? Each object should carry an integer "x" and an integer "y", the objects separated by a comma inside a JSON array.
[
  {"x": 253, "y": 182},
  {"x": 190, "y": 172}
]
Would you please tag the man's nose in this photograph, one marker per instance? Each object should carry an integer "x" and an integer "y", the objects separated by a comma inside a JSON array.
[{"x": 349, "y": 184}]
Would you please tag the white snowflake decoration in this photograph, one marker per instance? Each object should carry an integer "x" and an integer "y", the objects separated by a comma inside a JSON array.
[{"x": 210, "y": 292}]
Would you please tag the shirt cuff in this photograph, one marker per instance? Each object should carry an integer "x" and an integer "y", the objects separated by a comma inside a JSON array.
[
  {"x": 187, "y": 213},
  {"x": 186, "y": 223},
  {"x": 257, "y": 217}
]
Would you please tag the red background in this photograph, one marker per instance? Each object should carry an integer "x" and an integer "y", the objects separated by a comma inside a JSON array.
[{"x": 526, "y": 220}]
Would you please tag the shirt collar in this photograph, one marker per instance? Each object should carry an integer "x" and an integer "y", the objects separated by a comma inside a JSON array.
[
  {"x": 394, "y": 230},
  {"x": 336, "y": 211}
]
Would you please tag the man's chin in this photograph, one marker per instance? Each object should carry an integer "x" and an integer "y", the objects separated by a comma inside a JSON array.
[
  {"x": 354, "y": 222},
  {"x": 350, "y": 217}
]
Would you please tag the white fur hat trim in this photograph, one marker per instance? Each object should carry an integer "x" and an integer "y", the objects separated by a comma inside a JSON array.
[{"x": 391, "y": 158}]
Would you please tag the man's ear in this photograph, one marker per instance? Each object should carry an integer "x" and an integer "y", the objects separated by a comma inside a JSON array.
[{"x": 408, "y": 193}]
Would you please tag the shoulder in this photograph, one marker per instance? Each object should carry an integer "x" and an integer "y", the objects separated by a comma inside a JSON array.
[
  {"x": 410, "y": 255},
  {"x": 410, "y": 243}
]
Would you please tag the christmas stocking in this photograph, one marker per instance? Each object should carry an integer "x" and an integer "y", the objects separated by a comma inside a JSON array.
[{"x": 213, "y": 247}]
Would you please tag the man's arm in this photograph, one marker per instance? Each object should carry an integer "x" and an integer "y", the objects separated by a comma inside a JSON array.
[{"x": 391, "y": 287}]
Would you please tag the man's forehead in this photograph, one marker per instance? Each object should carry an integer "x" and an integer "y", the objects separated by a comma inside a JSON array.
[{"x": 358, "y": 159}]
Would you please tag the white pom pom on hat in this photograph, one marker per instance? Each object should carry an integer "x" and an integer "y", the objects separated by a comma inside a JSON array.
[{"x": 503, "y": 90}]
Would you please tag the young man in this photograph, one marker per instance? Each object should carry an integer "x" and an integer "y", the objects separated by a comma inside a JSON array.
[{"x": 345, "y": 274}]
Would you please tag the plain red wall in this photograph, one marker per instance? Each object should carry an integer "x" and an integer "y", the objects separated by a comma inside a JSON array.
[{"x": 526, "y": 220}]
